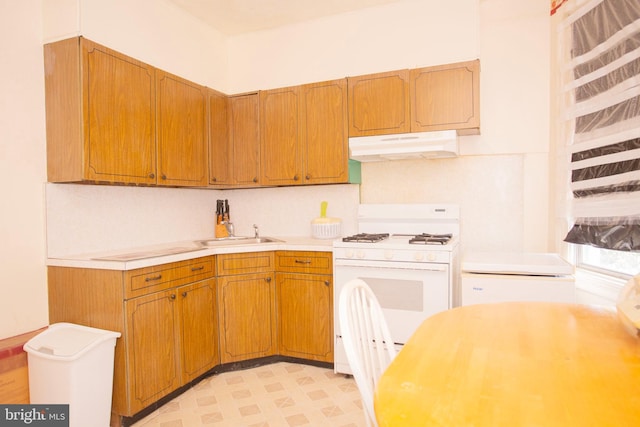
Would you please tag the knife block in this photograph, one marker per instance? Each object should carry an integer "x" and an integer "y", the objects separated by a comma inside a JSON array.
[{"x": 221, "y": 231}]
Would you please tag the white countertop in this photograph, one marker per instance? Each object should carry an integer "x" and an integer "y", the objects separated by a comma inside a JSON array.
[
  {"x": 516, "y": 263},
  {"x": 187, "y": 250}
]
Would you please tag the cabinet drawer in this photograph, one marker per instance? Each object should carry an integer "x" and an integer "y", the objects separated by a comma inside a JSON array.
[
  {"x": 160, "y": 277},
  {"x": 251, "y": 262},
  {"x": 304, "y": 262}
]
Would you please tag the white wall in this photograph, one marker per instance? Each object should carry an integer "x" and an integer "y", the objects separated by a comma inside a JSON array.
[
  {"x": 153, "y": 31},
  {"x": 406, "y": 34},
  {"x": 23, "y": 286},
  {"x": 501, "y": 179}
]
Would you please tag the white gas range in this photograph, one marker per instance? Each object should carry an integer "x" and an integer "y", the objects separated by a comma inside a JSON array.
[{"x": 408, "y": 255}]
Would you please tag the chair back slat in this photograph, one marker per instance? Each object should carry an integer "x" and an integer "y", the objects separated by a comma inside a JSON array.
[{"x": 367, "y": 339}]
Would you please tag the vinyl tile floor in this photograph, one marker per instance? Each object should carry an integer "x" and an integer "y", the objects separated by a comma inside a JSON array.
[{"x": 279, "y": 394}]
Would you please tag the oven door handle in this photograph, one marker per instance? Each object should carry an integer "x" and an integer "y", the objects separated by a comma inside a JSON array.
[{"x": 424, "y": 266}]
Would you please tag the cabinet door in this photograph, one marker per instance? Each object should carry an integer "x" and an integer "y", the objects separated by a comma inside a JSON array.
[
  {"x": 119, "y": 116},
  {"x": 446, "y": 97},
  {"x": 280, "y": 135},
  {"x": 198, "y": 328},
  {"x": 247, "y": 317},
  {"x": 325, "y": 140},
  {"x": 305, "y": 316},
  {"x": 244, "y": 128},
  {"x": 152, "y": 348},
  {"x": 379, "y": 104},
  {"x": 219, "y": 143},
  {"x": 182, "y": 131}
]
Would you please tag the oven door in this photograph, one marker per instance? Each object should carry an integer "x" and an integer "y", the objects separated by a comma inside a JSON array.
[{"x": 407, "y": 292}]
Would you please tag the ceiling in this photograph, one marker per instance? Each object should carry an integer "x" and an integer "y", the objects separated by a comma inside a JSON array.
[{"x": 232, "y": 17}]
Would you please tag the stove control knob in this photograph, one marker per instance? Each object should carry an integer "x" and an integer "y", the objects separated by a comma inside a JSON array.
[
  {"x": 388, "y": 254},
  {"x": 360, "y": 254},
  {"x": 349, "y": 253},
  {"x": 419, "y": 256},
  {"x": 431, "y": 257}
]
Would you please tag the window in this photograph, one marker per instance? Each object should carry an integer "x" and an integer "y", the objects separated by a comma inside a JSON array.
[
  {"x": 600, "y": 68},
  {"x": 615, "y": 263}
]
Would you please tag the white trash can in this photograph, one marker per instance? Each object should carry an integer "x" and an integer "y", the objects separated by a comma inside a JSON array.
[{"x": 73, "y": 364}]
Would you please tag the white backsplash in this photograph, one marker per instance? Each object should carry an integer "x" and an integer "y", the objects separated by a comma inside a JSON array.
[
  {"x": 502, "y": 198},
  {"x": 94, "y": 218}
]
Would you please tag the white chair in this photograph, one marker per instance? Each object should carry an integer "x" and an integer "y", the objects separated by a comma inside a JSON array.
[{"x": 367, "y": 340}]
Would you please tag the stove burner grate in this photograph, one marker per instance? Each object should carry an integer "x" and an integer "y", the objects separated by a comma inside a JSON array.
[
  {"x": 366, "y": 237},
  {"x": 430, "y": 239}
]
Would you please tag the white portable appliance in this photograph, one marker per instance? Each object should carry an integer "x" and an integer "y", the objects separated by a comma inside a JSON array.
[
  {"x": 502, "y": 277},
  {"x": 407, "y": 254}
]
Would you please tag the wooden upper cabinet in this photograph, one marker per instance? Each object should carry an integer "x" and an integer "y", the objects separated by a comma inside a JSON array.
[
  {"x": 112, "y": 118},
  {"x": 219, "y": 145},
  {"x": 182, "y": 131},
  {"x": 379, "y": 104},
  {"x": 446, "y": 97},
  {"x": 325, "y": 139},
  {"x": 100, "y": 114},
  {"x": 244, "y": 140},
  {"x": 304, "y": 137},
  {"x": 280, "y": 136}
]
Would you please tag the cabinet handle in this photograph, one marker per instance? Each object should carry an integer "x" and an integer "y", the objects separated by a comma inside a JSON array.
[
  {"x": 303, "y": 261},
  {"x": 296, "y": 177},
  {"x": 152, "y": 175},
  {"x": 184, "y": 295},
  {"x": 327, "y": 283},
  {"x": 214, "y": 179},
  {"x": 268, "y": 279},
  {"x": 308, "y": 177},
  {"x": 173, "y": 296},
  {"x": 151, "y": 279},
  {"x": 163, "y": 176},
  {"x": 197, "y": 268},
  {"x": 255, "y": 179}
]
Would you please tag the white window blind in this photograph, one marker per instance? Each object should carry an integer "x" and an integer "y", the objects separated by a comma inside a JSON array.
[{"x": 604, "y": 64}]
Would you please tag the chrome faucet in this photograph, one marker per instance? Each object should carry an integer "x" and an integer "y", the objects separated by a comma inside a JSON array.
[
  {"x": 229, "y": 226},
  {"x": 256, "y": 234}
]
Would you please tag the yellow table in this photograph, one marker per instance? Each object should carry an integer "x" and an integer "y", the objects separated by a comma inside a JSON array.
[{"x": 514, "y": 364}]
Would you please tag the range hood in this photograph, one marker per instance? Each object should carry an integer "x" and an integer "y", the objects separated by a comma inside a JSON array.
[{"x": 420, "y": 145}]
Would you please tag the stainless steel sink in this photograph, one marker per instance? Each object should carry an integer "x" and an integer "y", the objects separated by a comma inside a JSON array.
[{"x": 236, "y": 240}]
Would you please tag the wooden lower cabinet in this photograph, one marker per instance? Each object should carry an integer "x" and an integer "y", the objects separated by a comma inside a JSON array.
[
  {"x": 305, "y": 305},
  {"x": 247, "y": 317},
  {"x": 167, "y": 316},
  {"x": 198, "y": 329},
  {"x": 150, "y": 337},
  {"x": 182, "y": 319},
  {"x": 172, "y": 339},
  {"x": 247, "y": 306}
]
